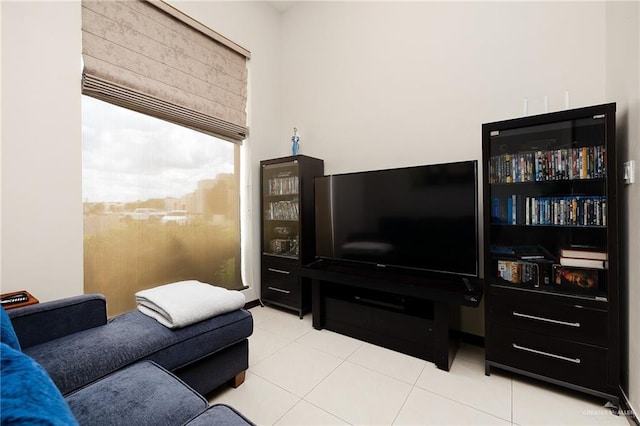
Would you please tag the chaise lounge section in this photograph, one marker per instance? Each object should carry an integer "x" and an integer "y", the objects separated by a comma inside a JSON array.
[
  {"x": 131, "y": 365},
  {"x": 76, "y": 343}
]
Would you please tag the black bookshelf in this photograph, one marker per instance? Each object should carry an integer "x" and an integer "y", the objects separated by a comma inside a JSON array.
[
  {"x": 288, "y": 229},
  {"x": 551, "y": 248}
]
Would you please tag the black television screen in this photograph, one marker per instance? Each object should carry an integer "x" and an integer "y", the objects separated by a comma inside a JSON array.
[{"x": 422, "y": 218}]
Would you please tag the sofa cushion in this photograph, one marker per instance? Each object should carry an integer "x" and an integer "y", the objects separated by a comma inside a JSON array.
[
  {"x": 7, "y": 333},
  {"x": 219, "y": 415},
  {"x": 28, "y": 395},
  {"x": 141, "y": 394},
  {"x": 80, "y": 358}
]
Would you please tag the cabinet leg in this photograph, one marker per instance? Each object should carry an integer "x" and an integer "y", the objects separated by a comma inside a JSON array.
[
  {"x": 487, "y": 369},
  {"x": 316, "y": 305},
  {"x": 613, "y": 406},
  {"x": 441, "y": 341}
]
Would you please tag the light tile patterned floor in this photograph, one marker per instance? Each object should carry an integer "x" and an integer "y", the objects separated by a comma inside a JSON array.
[{"x": 301, "y": 376}]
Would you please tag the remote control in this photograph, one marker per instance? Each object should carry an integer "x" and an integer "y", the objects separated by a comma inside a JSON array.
[
  {"x": 467, "y": 284},
  {"x": 14, "y": 298}
]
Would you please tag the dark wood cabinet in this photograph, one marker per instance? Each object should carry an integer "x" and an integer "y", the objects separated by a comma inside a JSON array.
[
  {"x": 551, "y": 248},
  {"x": 288, "y": 229},
  {"x": 405, "y": 312}
]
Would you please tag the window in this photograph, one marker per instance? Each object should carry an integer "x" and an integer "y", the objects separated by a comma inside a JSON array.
[{"x": 161, "y": 204}]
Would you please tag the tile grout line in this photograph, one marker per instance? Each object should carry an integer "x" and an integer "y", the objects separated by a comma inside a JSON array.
[
  {"x": 289, "y": 343},
  {"x": 463, "y": 404},
  {"x": 413, "y": 388},
  {"x": 342, "y": 361},
  {"x": 304, "y": 398},
  {"x": 281, "y": 388},
  {"x": 395, "y": 418}
]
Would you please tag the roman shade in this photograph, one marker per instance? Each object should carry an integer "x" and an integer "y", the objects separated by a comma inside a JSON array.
[{"x": 151, "y": 58}]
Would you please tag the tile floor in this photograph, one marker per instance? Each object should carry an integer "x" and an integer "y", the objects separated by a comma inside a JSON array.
[{"x": 301, "y": 376}]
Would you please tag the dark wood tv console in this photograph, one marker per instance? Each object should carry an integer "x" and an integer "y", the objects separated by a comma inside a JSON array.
[{"x": 409, "y": 313}]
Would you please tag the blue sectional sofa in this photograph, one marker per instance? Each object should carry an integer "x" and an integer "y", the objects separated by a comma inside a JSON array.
[{"x": 125, "y": 370}]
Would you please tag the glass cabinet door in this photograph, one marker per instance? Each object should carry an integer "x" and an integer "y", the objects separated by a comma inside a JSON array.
[
  {"x": 281, "y": 224},
  {"x": 548, "y": 211}
]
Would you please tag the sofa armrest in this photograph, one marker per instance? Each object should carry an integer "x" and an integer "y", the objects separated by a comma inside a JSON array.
[{"x": 42, "y": 322}]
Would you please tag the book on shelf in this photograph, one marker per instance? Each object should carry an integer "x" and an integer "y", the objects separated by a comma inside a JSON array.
[
  {"x": 583, "y": 253},
  {"x": 509, "y": 210},
  {"x": 577, "y": 262}
]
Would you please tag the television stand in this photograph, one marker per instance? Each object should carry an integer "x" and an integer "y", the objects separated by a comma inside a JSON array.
[{"x": 409, "y": 313}]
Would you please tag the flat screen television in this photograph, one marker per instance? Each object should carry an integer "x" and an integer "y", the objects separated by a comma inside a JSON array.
[{"x": 420, "y": 218}]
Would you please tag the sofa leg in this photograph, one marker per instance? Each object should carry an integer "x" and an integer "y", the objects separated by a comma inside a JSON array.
[{"x": 238, "y": 379}]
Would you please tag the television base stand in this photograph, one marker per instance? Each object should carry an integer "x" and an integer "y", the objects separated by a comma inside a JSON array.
[{"x": 409, "y": 314}]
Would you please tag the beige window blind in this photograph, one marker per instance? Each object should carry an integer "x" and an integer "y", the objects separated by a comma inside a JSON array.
[{"x": 151, "y": 58}]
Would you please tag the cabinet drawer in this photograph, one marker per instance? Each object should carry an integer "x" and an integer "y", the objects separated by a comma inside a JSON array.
[
  {"x": 563, "y": 360},
  {"x": 281, "y": 283},
  {"x": 568, "y": 321}
]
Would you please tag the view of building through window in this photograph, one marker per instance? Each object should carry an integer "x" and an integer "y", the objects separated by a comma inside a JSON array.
[{"x": 161, "y": 204}]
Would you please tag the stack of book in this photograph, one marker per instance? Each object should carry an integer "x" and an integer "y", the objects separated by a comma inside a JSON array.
[
  {"x": 578, "y": 269},
  {"x": 583, "y": 258}
]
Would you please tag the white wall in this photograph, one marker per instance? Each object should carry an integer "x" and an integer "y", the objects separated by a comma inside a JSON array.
[
  {"x": 623, "y": 87},
  {"x": 382, "y": 84},
  {"x": 41, "y": 134},
  {"x": 41, "y": 149}
]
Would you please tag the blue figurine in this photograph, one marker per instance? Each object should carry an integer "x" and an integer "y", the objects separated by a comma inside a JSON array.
[{"x": 295, "y": 142}]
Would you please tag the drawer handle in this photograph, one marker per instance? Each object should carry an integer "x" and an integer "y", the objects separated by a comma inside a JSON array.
[
  {"x": 533, "y": 317},
  {"x": 279, "y": 290},
  {"x": 564, "y": 358},
  {"x": 279, "y": 271}
]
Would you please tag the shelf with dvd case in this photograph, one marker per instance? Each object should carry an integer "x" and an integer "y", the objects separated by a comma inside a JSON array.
[
  {"x": 550, "y": 226},
  {"x": 287, "y": 229},
  {"x": 560, "y": 210},
  {"x": 587, "y": 162}
]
